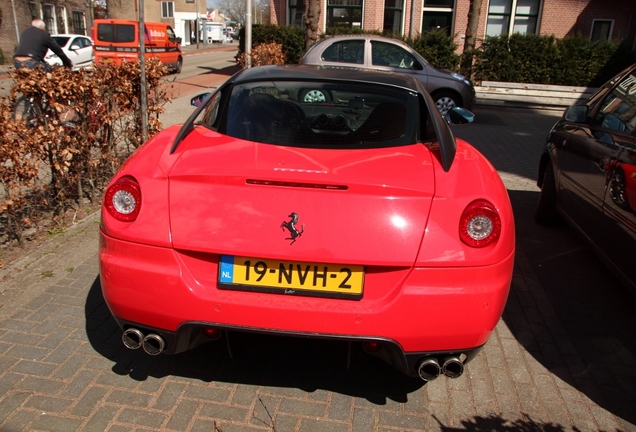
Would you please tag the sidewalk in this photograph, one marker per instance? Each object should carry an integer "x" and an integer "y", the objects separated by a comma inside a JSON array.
[
  {"x": 187, "y": 50},
  {"x": 562, "y": 358}
]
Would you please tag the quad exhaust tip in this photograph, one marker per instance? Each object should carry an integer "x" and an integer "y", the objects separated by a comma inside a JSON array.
[
  {"x": 452, "y": 367},
  {"x": 152, "y": 344},
  {"x": 429, "y": 368},
  {"x": 132, "y": 338}
]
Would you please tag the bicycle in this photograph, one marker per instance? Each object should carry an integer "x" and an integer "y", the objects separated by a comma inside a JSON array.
[{"x": 28, "y": 110}]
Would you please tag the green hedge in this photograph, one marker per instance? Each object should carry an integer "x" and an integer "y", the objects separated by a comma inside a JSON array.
[
  {"x": 438, "y": 48},
  {"x": 291, "y": 38},
  {"x": 573, "y": 60}
]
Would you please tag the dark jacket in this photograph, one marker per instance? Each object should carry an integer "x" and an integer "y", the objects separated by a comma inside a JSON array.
[{"x": 35, "y": 42}]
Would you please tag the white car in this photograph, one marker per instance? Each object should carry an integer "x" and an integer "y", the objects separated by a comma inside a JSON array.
[{"x": 78, "y": 48}]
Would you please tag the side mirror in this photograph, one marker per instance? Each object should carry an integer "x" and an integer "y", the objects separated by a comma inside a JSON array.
[
  {"x": 74, "y": 47},
  {"x": 576, "y": 114},
  {"x": 198, "y": 100},
  {"x": 459, "y": 115},
  {"x": 178, "y": 41}
]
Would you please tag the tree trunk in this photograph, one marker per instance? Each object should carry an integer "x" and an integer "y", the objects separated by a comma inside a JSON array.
[
  {"x": 312, "y": 18},
  {"x": 470, "y": 41}
]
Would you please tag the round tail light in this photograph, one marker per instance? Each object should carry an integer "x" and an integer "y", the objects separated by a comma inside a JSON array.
[
  {"x": 480, "y": 224},
  {"x": 122, "y": 199}
]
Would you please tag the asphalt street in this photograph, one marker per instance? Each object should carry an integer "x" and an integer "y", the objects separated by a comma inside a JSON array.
[{"x": 562, "y": 358}]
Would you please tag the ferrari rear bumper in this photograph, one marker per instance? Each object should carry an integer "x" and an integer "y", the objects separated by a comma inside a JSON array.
[{"x": 406, "y": 316}]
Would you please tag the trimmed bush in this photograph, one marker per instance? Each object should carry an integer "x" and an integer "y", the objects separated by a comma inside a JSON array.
[
  {"x": 263, "y": 54},
  {"x": 438, "y": 48},
  {"x": 573, "y": 60},
  {"x": 291, "y": 39}
]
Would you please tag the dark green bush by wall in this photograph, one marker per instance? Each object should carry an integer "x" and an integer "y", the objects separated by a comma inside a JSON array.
[
  {"x": 291, "y": 38},
  {"x": 573, "y": 60}
]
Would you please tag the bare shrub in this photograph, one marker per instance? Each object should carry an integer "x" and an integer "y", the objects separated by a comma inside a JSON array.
[
  {"x": 86, "y": 125},
  {"x": 264, "y": 54}
]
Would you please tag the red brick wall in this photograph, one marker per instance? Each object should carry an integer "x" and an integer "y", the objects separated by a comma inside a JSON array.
[{"x": 373, "y": 15}]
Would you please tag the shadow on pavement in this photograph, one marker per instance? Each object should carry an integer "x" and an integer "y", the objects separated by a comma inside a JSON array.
[
  {"x": 226, "y": 71},
  {"x": 499, "y": 424},
  {"x": 571, "y": 314},
  {"x": 306, "y": 364}
]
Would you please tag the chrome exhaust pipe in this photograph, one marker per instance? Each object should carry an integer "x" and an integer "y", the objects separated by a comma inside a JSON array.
[
  {"x": 153, "y": 344},
  {"x": 132, "y": 338},
  {"x": 453, "y": 367},
  {"x": 428, "y": 369}
]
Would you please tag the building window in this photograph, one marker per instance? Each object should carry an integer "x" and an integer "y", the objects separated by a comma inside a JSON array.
[
  {"x": 34, "y": 12},
  {"x": 167, "y": 9},
  {"x": 297, "y": 13},
  {"x": 512, "y": 16},
  {"x": 393, "y": 17},
  {"x": 49, "y": 18},
  {"x": 344, "y": 13},
  {"x": 61, "y": 19},
  {"x": 438, "y": 15},
  {"x": 601, "y": 30},
  {"x": 79, "y": 23}
]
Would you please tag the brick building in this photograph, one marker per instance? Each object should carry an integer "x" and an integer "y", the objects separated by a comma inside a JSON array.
[
  {"x": 597, "y": 19},
  {"x": 60, "y": 16}
]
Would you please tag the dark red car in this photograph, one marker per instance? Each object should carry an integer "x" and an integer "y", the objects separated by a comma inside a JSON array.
[{"x": 587, "y": 173}]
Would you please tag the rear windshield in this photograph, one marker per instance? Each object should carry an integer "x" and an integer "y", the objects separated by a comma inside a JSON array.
[
  {"x": 319, "y": 114},
  {"x": 116, "y": 33}
]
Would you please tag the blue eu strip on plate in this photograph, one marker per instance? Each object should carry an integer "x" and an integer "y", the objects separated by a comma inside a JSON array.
[{"x": 226, "y": 275}]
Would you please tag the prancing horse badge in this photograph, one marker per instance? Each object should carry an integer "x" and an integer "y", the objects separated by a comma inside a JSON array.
[{"x": 291, "y": 226}]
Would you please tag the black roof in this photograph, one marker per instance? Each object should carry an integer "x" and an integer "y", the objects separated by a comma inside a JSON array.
[{"x": 310, "y": 72}]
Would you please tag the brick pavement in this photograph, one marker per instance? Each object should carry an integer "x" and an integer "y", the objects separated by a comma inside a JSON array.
[{"x": 561, "y": 359}]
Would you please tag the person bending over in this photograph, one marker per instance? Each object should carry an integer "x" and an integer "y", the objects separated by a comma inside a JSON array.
[{"x": 34, "y": 43}]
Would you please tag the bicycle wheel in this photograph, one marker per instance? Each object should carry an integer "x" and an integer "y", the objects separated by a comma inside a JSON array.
[{"x": 25, "y": 110}]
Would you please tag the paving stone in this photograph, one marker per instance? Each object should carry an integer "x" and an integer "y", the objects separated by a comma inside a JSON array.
[
  {"x": 322, "y": 425},
  {"x": 101, "y": 418},
  {"x": 294, "y": 406},
  {"x": 52, "y": 423},
  {"x": 48, "y": 404},
  {"x": 183, "y": 414},
  {"x": 93, "y": 397},
  {"x": 363, "y": 419},
  {"x": 142, "y": 418},
  {"x": 340, "y": 407}
]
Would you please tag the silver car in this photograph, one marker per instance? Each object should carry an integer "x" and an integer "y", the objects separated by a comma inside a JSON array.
[{"x": 448, "y": 89}]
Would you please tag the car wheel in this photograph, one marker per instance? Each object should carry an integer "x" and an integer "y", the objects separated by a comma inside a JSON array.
[
  {"x": 445, "y": 101},
  {"x": 179, "y": 65},
  {"x": 546, "y": 212},
  {"x": 314, "y": 96},
  {"x": 618, "y": 190}
]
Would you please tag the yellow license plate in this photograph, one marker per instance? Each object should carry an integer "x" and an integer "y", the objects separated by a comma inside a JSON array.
[{"x": 290, "y": 277}]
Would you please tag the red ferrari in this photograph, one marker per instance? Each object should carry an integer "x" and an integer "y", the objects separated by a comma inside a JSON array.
[{"x": 356, "y": 216}]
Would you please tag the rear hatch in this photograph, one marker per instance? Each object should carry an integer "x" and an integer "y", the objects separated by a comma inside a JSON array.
[{"x": 367, "y": 207}]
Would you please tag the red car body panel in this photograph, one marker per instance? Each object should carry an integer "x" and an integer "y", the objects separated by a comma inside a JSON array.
[{"x": 399, "y": 304}]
